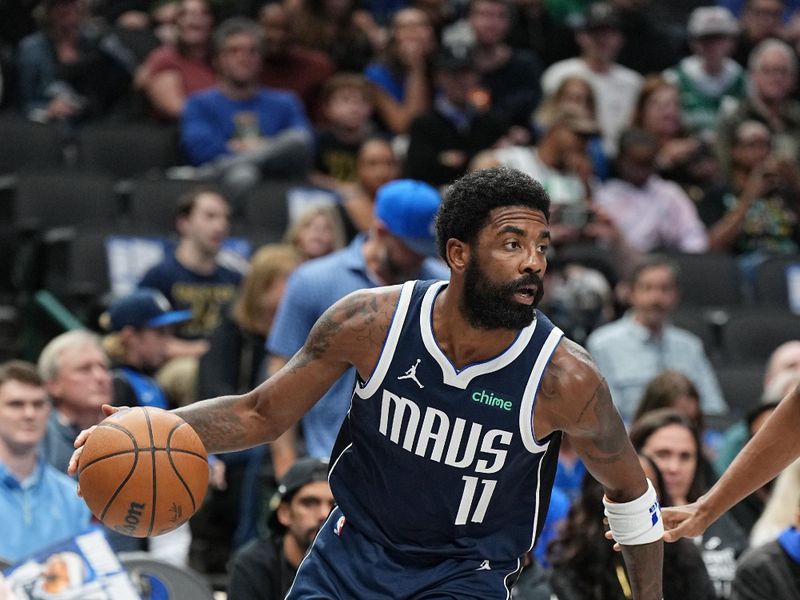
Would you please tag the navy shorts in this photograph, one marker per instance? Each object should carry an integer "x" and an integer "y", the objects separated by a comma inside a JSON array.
[{"x": 344, "y": 565}]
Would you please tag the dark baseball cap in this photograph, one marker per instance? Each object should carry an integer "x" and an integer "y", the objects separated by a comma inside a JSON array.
[
  {"x": 598, "y": 15},
  {"x": 302, "y": 472},
  {"x": 143, "y": 308},
  {"x": 408, "y": 209},
  {"x": 454, "y": 59}
]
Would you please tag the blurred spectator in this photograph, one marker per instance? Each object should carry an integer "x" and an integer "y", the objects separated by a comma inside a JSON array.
[
  {"x": 509, "y": 76},
  {"x": 650, "y": 46},
  {"x": 171, "y": 73},
  {"x": 265, "y": 568},
  {"x": 651, "y": 213},
  {"x": 781, "y": 376},
  {"x": 402, "y": 78},
  {"x": 347, "y": 104},
  {"x": 193, "y": 278},
  {"x": 658, "y": 112},
  {"x": 760, "y": 20},
  {"x": 76, "y": 375},
  {"x": 559, "y": 161},
  {"x": 574, "y": 95},
  {"x": 672, "y": 389},
  {"x": 38, "y": 503},
  {"x": 637, "y": 347},
  {"x": 772, "y": 70},
  {"x": 771, "y": 570},
  {"x": 758, "y": 216},
  {"x": 400, "y": 245},
  {"x": 780, "y": 510},
  {"x": 750, "y": 509},
  {"x": 58, "y": 65},
  {"x": 708, "y": 75},
  {"x": 444, "y": 140},
  {"x": 316, "y": 232},
  {"x": 671, "y": 441},
  {"x": 585, "y": 566},
  {"x": 288, "y": 66},
  {"x": 534, "y": 28},
  {"x": 139, "y": 324},
  {"x": 240, "y": 130},
  {"x": 616, "y": 87},
  {"x": 234, "y": 364},
  {"x": 376, "y": 165},
  {"x": 349, "y": 36}
]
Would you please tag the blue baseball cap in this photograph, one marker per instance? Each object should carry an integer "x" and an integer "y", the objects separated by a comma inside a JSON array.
[
  {"x": 144, "y": 308},
  {"x": 408, "y": 209}
]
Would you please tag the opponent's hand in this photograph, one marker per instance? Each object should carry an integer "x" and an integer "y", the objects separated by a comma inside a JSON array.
[
  {"x": 72, "y": 468},
  {"x": 682, "y": 521}
]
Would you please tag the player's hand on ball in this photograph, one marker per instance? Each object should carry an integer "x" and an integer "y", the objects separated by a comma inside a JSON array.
[{"x": 80, "y": 441}]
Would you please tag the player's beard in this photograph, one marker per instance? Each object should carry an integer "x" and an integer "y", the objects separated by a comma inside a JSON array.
[{"x": 486, "y": 305}]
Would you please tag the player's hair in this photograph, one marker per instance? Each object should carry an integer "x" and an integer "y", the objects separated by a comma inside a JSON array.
[
  {"x": 50, "y": 357},
  {"x": 187, "y": 201},
  {"x": 651, "y": 261},
  {"x": 19, "y": 370},
  {"x": 468, "y": 202},
  {"x": 267, "y": 265},
  {"x": 236, "y": 26},
  {"x": 647, "y": 425}
]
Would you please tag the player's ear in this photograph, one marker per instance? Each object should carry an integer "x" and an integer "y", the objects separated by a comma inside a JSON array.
[{"x": 457, "y": 254}]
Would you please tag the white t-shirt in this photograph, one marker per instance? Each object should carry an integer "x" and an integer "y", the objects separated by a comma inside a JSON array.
[{"x": 616, "y": 92}]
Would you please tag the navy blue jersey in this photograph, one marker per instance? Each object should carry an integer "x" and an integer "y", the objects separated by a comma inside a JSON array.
[{"x": 434, "y": 461}]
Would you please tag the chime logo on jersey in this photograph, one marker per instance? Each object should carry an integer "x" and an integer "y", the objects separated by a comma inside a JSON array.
[{"x": 435, "y": 435}]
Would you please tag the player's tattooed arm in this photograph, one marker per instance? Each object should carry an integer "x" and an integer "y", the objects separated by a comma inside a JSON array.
[
  {"x": 350, "y": 332},
  {"x": 576, "y": 400}
]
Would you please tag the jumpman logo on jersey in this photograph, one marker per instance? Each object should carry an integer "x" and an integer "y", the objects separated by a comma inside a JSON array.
[
  {"x": 485, "y": 566},
  {"x": 412, "y": 374}
]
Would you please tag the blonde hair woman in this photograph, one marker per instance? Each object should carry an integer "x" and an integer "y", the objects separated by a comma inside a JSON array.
[{"x": 318, "y": 231}]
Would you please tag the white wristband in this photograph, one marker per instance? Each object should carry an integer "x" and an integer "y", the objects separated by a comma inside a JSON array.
[{"x": 635, "y": 522}]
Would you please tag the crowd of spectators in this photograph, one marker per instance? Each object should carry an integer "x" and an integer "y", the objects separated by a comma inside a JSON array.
[{"x": 661, "y": 131}]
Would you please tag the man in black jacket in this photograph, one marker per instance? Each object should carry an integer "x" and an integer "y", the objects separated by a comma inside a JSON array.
[{"x": 264, "y": 569}]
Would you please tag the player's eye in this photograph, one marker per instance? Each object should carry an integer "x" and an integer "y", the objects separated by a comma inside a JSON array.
[{"x": 512, "y": 245}]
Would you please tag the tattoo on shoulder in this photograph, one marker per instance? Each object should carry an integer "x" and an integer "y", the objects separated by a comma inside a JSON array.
[{"x": 367, "y": 316}]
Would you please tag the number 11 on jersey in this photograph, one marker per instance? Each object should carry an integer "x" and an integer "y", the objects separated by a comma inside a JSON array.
[{"x": 467, "y": 497}]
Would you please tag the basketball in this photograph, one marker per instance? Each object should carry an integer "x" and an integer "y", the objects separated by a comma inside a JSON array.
[{"x": 143, "y": 471}]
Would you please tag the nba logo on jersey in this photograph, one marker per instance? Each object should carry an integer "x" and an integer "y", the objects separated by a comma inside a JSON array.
[{"x": 339, "y": 526}]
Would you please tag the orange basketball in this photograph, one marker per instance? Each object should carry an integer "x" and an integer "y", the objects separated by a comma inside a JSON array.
[{"x": 143, "y": 471}]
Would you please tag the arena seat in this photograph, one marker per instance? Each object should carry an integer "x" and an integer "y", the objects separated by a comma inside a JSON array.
[
  {"x": 771, "y": 289},
  {"x": 127, "y": 150},
  {"x": 709, "y": 280},
  {"x": 750, "y": 335}
]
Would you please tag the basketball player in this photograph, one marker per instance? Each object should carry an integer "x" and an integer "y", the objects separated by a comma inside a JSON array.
[
  {"x": 770, "y": 451},
  {"x": 443, "y": 468}
]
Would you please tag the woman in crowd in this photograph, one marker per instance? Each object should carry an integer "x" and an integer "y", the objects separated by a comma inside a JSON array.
[
  {"x": 671, "y": 440},
  {"x": 317, "y": 232},
  {"x": 658, "y": 112},
  {"x": 233, "y": 364},
  {"x": 402, "y": 79},
  {"x": 573, "y": 96},
  {"x": 171, "y": 73},
  {"x": 585, "y": 566},
  {"x": 337, "y": 27}
]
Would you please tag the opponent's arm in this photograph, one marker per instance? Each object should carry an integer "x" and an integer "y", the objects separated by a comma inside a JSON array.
[
  {"x": 770, "y": 451},
  {"x": 577, "y": 401}
]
